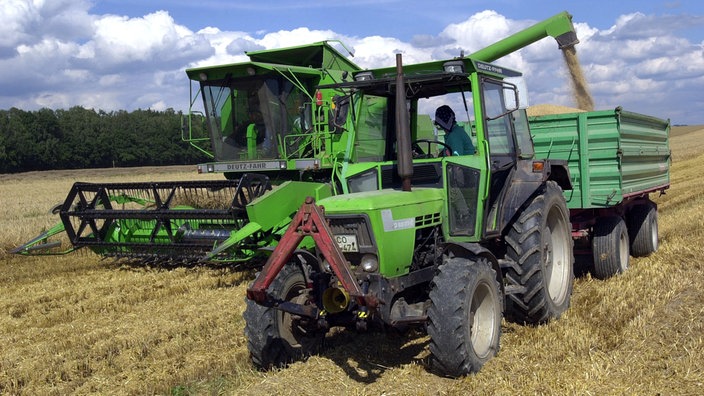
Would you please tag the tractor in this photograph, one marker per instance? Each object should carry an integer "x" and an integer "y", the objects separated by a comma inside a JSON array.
[{"x": 449, "y": 244}]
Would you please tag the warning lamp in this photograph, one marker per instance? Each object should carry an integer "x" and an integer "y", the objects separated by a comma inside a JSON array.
[
  {"x": 318, "y": 98},
  {"x": 538, "y": 166}
]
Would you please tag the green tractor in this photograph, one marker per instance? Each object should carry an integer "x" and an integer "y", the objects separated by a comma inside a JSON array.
[{"x": 447, "y": 243}]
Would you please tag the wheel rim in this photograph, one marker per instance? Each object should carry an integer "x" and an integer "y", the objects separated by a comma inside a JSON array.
[
  {"x": 623, "y": 250},
  {"x": 654, "y": 232},
  {"x": 557, "y": 256},
  {"x": 289, "y": 328},
  {"x": 483, "y": 318}
]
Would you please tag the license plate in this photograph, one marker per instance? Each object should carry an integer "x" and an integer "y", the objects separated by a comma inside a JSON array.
[{"x": 347, "y": 243}]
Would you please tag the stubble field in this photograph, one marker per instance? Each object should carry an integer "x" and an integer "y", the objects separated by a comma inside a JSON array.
[{"x": 77, "y": 324}]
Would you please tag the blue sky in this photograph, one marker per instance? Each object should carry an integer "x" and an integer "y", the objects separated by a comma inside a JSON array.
[
  {"x": 395, "y": 18},
  {"x": 647, "y": 56}
]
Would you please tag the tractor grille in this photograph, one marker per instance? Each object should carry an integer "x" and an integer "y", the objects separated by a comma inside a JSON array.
[
  {"x": 354, "y": 225},
  {"x": 428, "y": 220}
]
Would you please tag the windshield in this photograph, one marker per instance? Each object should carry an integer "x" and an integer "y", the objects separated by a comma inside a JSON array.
[
  {"x": 462, "y": 106},
  {"x": 498, "y": 117},
  {"x": 258, "y": 118}
]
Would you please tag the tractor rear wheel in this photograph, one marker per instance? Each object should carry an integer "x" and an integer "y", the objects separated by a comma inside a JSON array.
[
  {"x": 643, "y": 229},
  {"x": 274, "y": 337},
  {"x": 540, "y": 245},
  {"x": 464, "y": 318},
  {"x": 610, "y": 247}
]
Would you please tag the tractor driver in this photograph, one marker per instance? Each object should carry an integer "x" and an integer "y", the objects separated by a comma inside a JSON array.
[{"x": 455, "y": 136}]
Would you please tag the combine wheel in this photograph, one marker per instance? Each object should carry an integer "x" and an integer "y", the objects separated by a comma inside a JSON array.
[
  {"x": 643, "y": 229},
  {"x": 540, "y": 244},
  {"x": 610, "y": 247},
  {"x": 464, "y": 317},
  {"x": 276, "y": 338}
]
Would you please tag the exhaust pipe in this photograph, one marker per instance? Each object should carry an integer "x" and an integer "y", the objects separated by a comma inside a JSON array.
[{"x": 403, "y": 130}]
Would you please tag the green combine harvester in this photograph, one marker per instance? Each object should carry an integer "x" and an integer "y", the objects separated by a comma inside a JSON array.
[{"x": 267, "y": 128}]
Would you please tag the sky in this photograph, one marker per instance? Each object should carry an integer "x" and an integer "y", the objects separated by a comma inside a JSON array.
[{"x": 644, "y": 55}]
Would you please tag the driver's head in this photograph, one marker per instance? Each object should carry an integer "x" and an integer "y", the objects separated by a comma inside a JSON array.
[{"x": 444, "y": 117}]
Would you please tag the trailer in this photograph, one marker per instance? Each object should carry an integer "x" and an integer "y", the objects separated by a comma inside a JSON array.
[{"x": 616, "y": 159}]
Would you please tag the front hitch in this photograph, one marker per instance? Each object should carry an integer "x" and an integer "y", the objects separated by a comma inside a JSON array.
[{"x": 308, "y": 221}]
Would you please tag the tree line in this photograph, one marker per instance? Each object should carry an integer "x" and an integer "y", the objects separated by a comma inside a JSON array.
[{"x": 85, "y": 138}]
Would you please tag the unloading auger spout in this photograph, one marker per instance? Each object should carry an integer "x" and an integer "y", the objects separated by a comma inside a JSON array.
[{"x": 558, "y": 26}]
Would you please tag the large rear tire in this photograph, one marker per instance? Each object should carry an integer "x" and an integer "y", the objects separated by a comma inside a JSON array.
[
  {"x": 276, "y": 338},
  {"x": 464, "y": 316},
  {"x": 540, "y": 245},
  {"x": 610, "y": 247},
  {"x": 643, "y": 229}
]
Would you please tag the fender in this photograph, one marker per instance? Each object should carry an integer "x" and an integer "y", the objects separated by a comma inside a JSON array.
[
  {"x": 469, "y": 250},
  {"x": 528, "y": 177}
]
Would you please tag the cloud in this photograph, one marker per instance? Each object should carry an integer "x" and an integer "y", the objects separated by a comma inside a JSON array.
[
  {"x": 25, "y": 23},
  {"x": 108, "y": 62},
  {"x": 153, "y": 39}
]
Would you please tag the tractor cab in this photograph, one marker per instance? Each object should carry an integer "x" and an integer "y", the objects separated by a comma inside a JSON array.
[{"x": 486, "y": 107}]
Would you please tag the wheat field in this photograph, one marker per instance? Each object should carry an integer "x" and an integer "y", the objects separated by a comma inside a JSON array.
[{"x": 77, "y": 324}]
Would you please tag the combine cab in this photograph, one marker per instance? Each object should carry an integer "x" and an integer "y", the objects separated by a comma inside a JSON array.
[{"x": 267, "y": 115}]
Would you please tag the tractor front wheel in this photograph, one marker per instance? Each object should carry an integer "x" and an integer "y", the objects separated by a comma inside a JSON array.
[
  {"x": 464, "y": 318},
  {"x": 540, "y": 245},
  {"x": 276, "y": 338}
]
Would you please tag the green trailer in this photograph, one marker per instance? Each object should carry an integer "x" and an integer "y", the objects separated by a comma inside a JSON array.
[{"x": 616, "y": 159}]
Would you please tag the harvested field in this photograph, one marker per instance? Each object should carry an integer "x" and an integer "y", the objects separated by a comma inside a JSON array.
[{"x": 79, "y": 325}]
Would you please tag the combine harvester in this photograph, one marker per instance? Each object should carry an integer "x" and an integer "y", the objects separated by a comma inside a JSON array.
[
  {"x": 279, "y": 129},
  {"x": 265, "y": 124}
]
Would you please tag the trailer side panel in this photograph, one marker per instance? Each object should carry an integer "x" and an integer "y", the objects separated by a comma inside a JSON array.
[{"x": 611, "y": 155}]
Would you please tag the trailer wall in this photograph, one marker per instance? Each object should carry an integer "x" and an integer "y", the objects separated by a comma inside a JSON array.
[{"x": 611, "y": 154}]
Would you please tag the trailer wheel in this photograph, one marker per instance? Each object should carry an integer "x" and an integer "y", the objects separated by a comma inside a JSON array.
[
  {"x": 610, "y": 247},
  {"x": 540, "y": 245},
  {"x": 643, "y": 229},
  {"x": 464, "y": 318},
  {"x": 276, "y": 338}
]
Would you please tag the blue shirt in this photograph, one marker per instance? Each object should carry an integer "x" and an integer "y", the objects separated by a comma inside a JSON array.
[{"x": 459, "y": 141}]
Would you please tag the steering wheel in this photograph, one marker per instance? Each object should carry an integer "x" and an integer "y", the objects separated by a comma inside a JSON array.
[{"x": 419, "y": 153}]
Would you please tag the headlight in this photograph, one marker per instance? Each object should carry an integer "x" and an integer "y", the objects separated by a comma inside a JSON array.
[{"x": 369, "y": 263}]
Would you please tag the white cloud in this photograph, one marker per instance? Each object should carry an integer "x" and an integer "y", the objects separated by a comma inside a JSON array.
[
  {"x": 25, "y": 22},
  {"x": 296, "y": 37},
  {"x": 377, "y": 51},
  {"x": 153, "y": 38},
  {"x": 222, "y": 47},
  {"x": 17, "y": 16}
]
